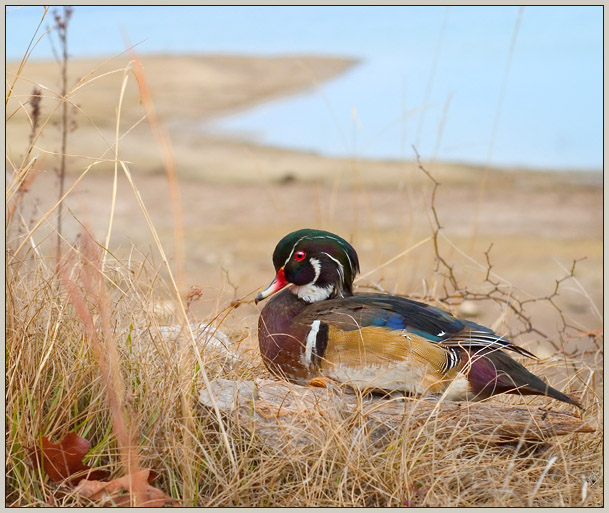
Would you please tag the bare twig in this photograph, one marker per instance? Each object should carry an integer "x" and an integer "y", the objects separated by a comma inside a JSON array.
[
  {"x": 498, "y": 291},
  {"x": 61, "y": 26}
]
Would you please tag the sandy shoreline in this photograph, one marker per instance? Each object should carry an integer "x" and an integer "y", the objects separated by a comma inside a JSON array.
[{"x": 187, "y": 90}]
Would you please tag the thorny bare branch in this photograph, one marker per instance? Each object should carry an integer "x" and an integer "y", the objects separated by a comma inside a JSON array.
[{"x": 455, "y": 293}]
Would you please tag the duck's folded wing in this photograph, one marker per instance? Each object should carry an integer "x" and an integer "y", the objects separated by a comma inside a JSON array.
[
  {"x": 374, "y": 356},
  {"x": 395, "y": 313}
]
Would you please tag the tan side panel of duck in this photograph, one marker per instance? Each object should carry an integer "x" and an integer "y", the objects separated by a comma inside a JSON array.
[{"x": 402, "y": 361}]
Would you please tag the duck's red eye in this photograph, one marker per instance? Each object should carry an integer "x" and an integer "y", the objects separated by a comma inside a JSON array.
[{"x": 299, "y": 255}]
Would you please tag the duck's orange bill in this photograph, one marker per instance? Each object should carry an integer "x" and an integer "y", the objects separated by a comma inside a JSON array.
[{"x": 277, "y": 284}]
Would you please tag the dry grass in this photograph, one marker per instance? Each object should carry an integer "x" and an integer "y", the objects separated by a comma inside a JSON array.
[
  {"x": 57, "y": 382},
  {"x": 54, "y": 387}
]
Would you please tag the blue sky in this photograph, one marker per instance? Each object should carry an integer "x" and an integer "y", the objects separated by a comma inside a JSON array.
[{"x": 430, "y": 76}]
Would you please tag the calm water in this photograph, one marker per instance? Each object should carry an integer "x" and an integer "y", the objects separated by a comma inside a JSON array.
[{"x": 440, "y": 78}]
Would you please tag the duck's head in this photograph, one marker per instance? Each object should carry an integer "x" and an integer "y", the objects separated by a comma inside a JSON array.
[{"x": 315, "y": 264}]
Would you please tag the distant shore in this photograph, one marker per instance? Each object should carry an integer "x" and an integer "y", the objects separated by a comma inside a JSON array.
[{"x": 187, "y": 89}]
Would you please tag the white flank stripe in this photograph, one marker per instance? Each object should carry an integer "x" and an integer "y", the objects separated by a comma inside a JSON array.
[{"x": 311, "y": 339}]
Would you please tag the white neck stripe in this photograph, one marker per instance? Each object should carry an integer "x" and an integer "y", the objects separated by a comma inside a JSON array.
[
  {"x": 340, "y": 269},
  {"x": 317, "y": 267}
]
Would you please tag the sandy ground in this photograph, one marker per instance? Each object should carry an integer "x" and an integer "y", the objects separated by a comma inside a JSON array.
[{"x": 238, "y": 199}]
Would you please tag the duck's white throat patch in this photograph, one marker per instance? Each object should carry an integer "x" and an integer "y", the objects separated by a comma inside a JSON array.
[{"x": 311, "y": 292}]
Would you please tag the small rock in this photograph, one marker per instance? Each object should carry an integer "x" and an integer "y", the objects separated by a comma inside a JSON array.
[{"x": 468, "y": 309}]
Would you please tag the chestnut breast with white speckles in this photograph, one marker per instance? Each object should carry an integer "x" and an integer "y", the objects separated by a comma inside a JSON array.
[{"x": 283, "y": 342}]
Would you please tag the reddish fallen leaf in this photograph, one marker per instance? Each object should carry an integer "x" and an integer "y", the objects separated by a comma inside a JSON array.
[
  {"x": 63, "y": 461},
  {"x": 122, "y": 492},
  {"x": 418, "y": 491}
]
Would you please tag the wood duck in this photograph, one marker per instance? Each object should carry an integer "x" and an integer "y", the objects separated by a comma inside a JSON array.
[{"x": 315, "y": 327}]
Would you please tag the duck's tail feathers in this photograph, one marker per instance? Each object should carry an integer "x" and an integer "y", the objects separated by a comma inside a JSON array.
[{"x": 494, "y": 372}]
